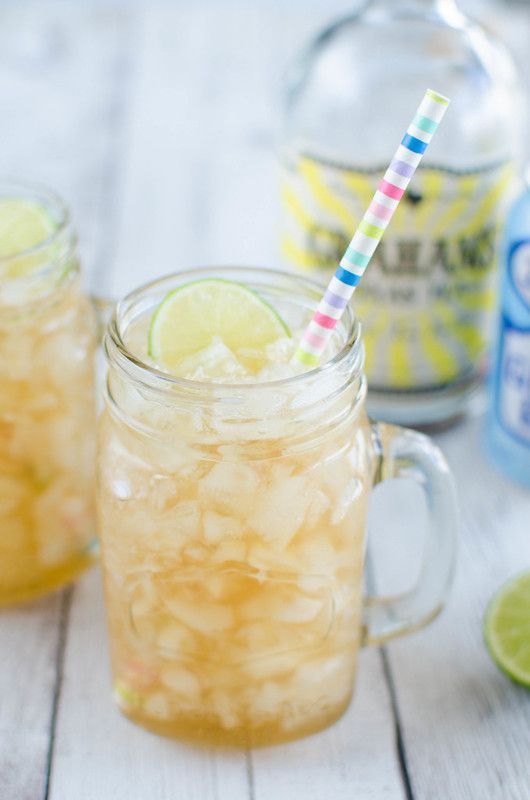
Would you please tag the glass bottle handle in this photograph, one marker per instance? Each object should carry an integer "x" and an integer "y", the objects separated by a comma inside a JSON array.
[{"x": 403, "y": 453}]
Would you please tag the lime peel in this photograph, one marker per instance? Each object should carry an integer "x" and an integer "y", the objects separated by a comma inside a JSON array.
[{"x": 507, "y": 629}]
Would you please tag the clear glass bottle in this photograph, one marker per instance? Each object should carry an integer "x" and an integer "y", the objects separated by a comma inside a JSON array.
[{"x": 426, "y": 301}]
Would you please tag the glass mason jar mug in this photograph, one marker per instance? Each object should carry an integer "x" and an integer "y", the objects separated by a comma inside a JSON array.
[
  {"x": 232, "y": 522},
  {"x": 47, "y": 410}
]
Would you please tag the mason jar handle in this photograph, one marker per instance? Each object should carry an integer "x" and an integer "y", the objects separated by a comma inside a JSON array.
[{"x": 403, "y": 453}]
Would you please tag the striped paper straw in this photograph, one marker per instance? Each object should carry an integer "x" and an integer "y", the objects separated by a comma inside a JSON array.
[{"x": 371, "y": 228}]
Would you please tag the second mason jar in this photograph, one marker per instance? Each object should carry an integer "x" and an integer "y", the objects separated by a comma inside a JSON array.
[{"x": 47, "y": 398}]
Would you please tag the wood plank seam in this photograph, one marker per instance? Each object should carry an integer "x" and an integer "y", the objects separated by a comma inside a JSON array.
[
  {"x": 64, "y": 616},
  {"x": 401, "y": 751},
  {"x": 250, "y": 775},
  {"x": 399, "y": 741}
]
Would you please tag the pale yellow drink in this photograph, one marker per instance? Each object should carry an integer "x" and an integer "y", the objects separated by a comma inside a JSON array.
[
  {"x": 47, "y": 407},
  {"x": 232, "y": 524}
]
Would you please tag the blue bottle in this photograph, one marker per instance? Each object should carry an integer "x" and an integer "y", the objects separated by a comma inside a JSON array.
[{"x": 507, "y": 432}]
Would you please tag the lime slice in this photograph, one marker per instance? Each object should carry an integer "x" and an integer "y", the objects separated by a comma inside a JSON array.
[
  {"x": 507, "y": 628},
  {"x": 190, "y": 317},
  {"x": 23, "y": 224}
]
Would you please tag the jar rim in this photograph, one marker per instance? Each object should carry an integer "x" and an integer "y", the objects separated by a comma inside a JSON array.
[{"x": 141, "y": 370}]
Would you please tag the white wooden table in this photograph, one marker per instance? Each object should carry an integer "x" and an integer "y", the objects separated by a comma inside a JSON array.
[{"x": 157, "y": 123}]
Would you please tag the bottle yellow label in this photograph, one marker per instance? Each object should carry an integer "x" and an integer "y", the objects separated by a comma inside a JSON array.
[{"x": 426, "y": 300}]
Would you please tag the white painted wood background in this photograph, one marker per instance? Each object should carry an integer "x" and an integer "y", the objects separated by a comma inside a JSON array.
[{"x": 156, "y": 121}]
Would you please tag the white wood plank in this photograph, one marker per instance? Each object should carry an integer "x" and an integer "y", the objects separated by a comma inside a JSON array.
[
  {"x": 466, "y": 726},
  {"x": 356, "y": 757},
  {"x": 99, "y": 755},
  {"x": 28, "y": 649}
]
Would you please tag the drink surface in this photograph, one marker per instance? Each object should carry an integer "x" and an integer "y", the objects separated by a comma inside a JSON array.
[
  {"x": 233, "y": 548},
  {"x": 47, "y": 414},
  {"x": 218, "y": 363},
  {"x": 204, "y": 355}
]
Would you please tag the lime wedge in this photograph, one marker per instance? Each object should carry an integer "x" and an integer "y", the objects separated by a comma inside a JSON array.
[
  {"x": 23, "y": 224},
  {"x": 507, "y": 628},
  {"x": 191, "y": 316}
]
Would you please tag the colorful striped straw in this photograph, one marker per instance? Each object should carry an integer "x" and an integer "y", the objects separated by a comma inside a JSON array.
[{"x": 371, "y": 228}]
